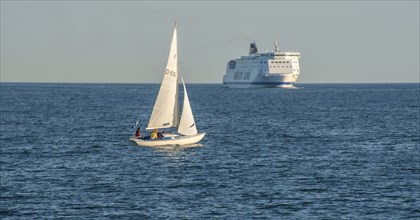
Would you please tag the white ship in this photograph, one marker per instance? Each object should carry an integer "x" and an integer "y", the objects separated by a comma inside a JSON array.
[{"x": 271, "y": 69}]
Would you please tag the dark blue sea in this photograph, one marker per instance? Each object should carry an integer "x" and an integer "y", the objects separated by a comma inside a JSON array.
[{"x": 322, "y": 151}]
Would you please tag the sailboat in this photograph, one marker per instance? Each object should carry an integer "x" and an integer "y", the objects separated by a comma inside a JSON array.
[{"x": 165, "y": 110}]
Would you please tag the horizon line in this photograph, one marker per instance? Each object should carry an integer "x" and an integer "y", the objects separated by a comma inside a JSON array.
[{"x": 210, "y": 83}]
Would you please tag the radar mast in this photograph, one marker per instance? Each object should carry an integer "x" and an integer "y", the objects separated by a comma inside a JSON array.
[{"x": 276, "y": 46}]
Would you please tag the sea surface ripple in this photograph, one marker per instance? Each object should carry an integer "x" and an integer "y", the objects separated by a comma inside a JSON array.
[{"x": 322, "y": 151}]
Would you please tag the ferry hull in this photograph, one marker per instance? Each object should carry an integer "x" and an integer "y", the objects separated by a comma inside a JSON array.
[
  {"x": 268, "y": 81},
  {"x": 173, "y": 140}
]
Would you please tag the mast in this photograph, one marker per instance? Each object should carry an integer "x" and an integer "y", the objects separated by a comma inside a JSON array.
[
  {"x": 276, "y": 45},
  {"x": 175, "y": 120}
]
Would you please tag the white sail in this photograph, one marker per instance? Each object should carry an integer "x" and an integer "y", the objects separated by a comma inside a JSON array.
[
  {"x": 165, "y": 110},
  {"x": 186, "y": 123}
]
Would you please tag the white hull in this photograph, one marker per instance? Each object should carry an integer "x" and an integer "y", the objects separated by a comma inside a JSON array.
[
  {"x": 263, "y": 81},
  {"x": 172, "y": 140},
  {"x": 250, "y": 86}
]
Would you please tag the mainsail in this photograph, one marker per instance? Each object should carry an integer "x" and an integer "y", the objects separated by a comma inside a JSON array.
[
  {"x": 186, "y": 123},
  {"x": 165, "y": 110}
]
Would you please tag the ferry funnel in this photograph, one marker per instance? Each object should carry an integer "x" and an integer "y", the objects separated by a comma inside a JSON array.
[{"x": 253, "y": 48}]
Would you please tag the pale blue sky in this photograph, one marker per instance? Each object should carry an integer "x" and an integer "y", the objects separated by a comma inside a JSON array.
[{"x": 128, "y": 41}]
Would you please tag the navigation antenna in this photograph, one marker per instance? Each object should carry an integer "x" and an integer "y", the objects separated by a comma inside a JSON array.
[{"x": 276, "y": 45}]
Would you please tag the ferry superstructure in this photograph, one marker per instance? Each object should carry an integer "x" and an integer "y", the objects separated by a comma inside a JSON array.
[{"x": 271, "y": 69}]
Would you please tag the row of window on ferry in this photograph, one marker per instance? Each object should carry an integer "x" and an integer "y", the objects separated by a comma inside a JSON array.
[
  {"x": 281, "y": 66},
  {"x": 279, "y": 61}
]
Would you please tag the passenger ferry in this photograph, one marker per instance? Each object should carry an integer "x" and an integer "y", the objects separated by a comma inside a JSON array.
[{"x": 272, "y": 69}]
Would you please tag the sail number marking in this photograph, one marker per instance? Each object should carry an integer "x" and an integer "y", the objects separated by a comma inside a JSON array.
[{"x": 170, "y": 72}]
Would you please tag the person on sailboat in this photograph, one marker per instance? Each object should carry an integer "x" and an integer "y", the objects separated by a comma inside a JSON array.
[
  {"x": 138, "y": 134},
  {"x": 159, "y": 135},
  {"x": 154, "y": 134}
]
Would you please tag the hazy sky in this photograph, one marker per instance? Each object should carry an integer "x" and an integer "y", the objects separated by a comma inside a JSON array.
[{"x": 128, "y": 41}]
